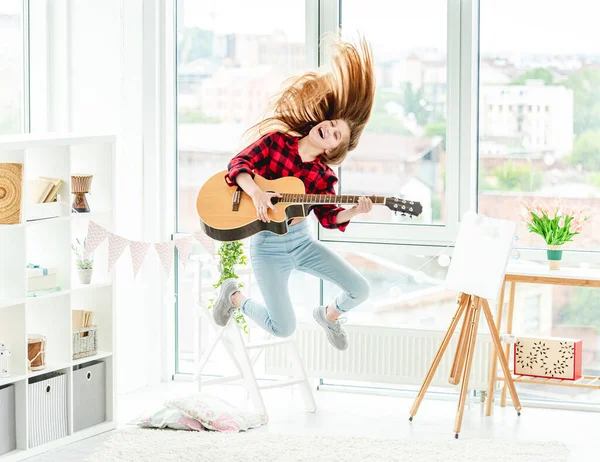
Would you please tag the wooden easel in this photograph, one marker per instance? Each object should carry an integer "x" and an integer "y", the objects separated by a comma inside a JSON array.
[{"x": 470, "y": 307}]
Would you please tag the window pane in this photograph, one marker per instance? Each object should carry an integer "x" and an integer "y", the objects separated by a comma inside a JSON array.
[
  {"x": 406, "y": 290},
  {"x": 11, "y": 67},
  {"x": 228, "y": 69},
  {"x": 539, "y": 112},
  {"x": 402, "y": 151}
]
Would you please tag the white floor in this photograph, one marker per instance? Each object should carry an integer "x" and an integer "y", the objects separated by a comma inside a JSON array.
[{"x": 351, "y": 414}]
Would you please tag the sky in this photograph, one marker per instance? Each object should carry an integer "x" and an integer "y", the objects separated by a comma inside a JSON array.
[{"x": 527, "y": 26}]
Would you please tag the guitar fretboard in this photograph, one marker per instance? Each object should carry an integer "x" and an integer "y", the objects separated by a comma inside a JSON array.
[{"x": 327, "y": 199}]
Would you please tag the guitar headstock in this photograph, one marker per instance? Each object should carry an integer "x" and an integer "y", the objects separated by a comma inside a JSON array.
[{"x": 411, "y": 208}]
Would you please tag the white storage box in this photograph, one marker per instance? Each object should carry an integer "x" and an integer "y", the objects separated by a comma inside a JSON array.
[
  {"x": 8, "y": 441},
  {"x": 89, "y": 395},
  {"x": 47, "y": 408},
  {"x": 41, "y": 278}
]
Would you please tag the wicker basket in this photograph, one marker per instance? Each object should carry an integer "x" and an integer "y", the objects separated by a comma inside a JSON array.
[{"x": 85, "y": 342}]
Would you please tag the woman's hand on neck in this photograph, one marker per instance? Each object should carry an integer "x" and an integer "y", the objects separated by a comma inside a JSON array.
[{"x": 308, "y": 151}]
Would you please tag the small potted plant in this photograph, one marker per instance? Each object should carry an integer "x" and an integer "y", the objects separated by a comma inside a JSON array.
[
  {"x": 556, "y": 224},
  {"x": 85, "y": 265}
]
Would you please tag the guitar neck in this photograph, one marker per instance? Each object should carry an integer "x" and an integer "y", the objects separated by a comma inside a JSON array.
[{"x": 327, "y": 199}]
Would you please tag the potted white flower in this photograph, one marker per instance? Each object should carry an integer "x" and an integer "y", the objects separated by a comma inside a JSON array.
[
  {"x": 556, "y": 224},
  {"x": 85, "y": 265}
]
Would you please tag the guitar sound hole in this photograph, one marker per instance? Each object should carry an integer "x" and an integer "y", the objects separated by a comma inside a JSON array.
[{"x": 274, "y": 200}]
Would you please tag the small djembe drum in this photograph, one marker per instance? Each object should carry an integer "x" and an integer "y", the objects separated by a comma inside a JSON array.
[
  {"x": 36, "y": 352},
  {"x": 80, "y": 185}
]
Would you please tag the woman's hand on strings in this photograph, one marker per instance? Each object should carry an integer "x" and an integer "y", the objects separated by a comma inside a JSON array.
[
  {"x": 262, "y": 203},
  {"x": 364, "y": 205}
]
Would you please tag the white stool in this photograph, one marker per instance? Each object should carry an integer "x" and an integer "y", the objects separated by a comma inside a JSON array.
[{"x": 244, "y": 355}]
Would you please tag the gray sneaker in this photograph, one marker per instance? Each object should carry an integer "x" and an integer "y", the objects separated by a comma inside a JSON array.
[
  {"x": 223, "y": 308},
  {"x": 335, "y": 334}
]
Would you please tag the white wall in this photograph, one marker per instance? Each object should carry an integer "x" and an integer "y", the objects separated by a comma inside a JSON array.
[{"x": 93, "y": 75}]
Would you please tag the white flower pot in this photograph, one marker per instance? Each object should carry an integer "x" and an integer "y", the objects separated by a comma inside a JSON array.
[{"x": 85, "y": 275}]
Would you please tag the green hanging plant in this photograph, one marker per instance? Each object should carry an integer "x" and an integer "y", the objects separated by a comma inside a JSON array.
[{"x": 230, "y": 255}]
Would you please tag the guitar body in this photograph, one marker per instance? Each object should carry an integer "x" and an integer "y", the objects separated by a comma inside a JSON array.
[{"x": 219, "y": 220}]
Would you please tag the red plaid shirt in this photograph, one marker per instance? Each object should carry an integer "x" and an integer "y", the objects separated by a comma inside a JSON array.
[{"x": 276, "y": 155}]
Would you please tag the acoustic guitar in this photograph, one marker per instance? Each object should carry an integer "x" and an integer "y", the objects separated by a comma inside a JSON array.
[{"x": 227, "y": 213}]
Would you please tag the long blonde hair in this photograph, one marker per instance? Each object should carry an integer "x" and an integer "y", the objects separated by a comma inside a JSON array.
[{"x": 346, "y": 92}]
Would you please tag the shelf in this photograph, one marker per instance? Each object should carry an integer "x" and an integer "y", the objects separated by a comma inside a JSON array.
[
  {"x": 45, "y": 240},
  {"x": 51, "y": 295},
  {"x": 7, "y": 302},
  {"x": 58, "y": 367},
  {"x": 11, "y": 379},
  {"x": 14, "y": 142},
  {"x": 43, "y": 221},
  {"x": 96, "y": 357},
  {"x": 93, "y": 286},
  {"x": 587, "y": 381},
  {"x": 94, "y": 215},
  {"x": 49, "y": 368}
]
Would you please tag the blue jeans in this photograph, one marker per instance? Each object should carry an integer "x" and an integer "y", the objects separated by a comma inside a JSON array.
[{"x": 273, "y": 259}]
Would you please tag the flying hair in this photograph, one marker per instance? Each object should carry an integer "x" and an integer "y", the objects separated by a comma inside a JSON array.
[{"x": 346, "y": 91}]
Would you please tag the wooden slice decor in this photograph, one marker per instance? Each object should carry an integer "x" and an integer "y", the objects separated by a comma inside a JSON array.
[{"x": 11, "y": 191}]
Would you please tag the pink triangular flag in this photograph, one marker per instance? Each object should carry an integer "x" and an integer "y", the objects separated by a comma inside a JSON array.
[
  {"x": 207, "y": 242},
  {"x": 184, "y": 248},
  {"x": 165, "y": 253},
  {"x": 116, "y": 245},
  {"x": 138, "y": 252},
  {"x": 96, "y": 234}
]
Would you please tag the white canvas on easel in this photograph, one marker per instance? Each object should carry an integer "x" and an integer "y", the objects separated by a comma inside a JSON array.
[
  {"x": 483, "y": 247},
  {"x": 479, "y": 259}
]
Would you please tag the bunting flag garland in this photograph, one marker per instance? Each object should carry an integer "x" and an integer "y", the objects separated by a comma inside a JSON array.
[
  {"x": 165, "y": 252},
  {"x": 184, "y": 247},
  {"x": 207, "y": 242},
  {"x": 138, "y": 253},
  {"x": 96, "y": 234},
  {"x": 116, "y": 245},
  {"x": 139, "y": 249}
]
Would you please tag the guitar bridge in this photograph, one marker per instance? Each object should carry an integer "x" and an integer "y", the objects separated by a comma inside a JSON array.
[{"x": 236, "y": 199}]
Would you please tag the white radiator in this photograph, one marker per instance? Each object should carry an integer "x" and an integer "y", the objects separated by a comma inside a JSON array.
[{"x": 381, "y": 355}]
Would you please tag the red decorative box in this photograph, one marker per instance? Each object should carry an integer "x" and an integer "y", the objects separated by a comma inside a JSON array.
[{"x": 551, "y": 358}]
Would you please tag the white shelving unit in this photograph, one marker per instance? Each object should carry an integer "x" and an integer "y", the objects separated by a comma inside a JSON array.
[{"x": 47, "y": 243}]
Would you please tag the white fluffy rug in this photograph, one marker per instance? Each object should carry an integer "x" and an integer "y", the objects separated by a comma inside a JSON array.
[{"x": 167, "y": 445}]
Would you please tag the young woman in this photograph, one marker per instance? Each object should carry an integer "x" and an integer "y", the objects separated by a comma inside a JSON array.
[{"x": 316, "y": 120}]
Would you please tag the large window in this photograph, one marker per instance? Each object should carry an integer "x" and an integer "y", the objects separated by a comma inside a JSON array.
[
  {"x": 11, "y": 67},
  {"x": 532, "y": 133},
  {"x": 539, "y": 109},
  {"x": 402, "y": 152}
]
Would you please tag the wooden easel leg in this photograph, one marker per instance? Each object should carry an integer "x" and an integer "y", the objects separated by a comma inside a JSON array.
[
  {"x": 494, "y": 356},
  {"x": 459, "y": 357},
  {"x": 503, "y": 362},
  {"x": 470, "y": 349},
  {"x": 509, "y": 323},
  {"x": 462, "y": 303}
]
